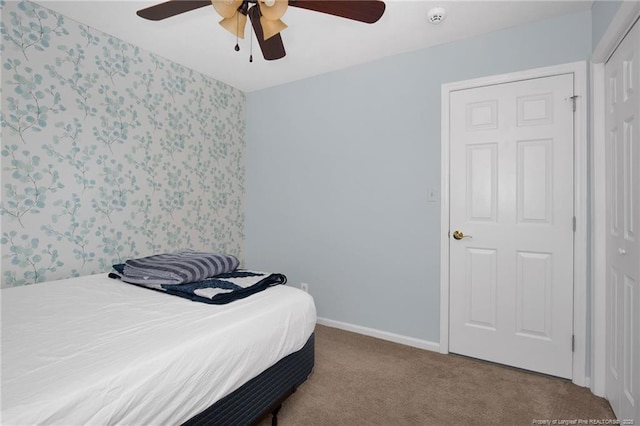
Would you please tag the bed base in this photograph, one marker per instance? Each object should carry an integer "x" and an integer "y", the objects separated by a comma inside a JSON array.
[{"x": 262, "y": 395}]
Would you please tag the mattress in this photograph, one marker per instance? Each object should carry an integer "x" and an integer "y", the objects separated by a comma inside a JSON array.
[
  {"x": 261, "y": 395},
  {"x": 93, "y": 350}
]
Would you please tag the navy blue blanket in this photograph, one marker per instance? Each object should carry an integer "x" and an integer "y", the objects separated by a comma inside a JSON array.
[{"x": 217, "y": 290}]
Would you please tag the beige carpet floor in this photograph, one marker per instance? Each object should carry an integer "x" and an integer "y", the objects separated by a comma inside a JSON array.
[{"x": 360, "y": 380}]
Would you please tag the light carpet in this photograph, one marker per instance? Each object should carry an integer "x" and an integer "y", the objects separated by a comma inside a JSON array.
[{"x": 361, "y": 380}]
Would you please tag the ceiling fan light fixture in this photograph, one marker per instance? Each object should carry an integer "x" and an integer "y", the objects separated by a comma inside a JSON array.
[
  {"x": 235, "y": 25},
  {"x": 226, "y": 8},
  {"x": 274, "y": 11},
  {"x": 271, "y": 28}
]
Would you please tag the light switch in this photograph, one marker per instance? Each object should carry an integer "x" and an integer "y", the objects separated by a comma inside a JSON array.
[{"x": 432, "y": 196}]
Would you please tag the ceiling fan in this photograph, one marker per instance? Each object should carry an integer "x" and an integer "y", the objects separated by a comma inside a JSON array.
[{"x": 265, "y": 16}]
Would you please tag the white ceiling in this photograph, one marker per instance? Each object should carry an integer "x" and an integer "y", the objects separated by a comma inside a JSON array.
[{"x": 315, "y": 43}]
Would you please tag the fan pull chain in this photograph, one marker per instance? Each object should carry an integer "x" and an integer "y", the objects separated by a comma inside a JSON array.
[
  {"x": 251, "y": 47},
  {"x": 237, "y": 48}
]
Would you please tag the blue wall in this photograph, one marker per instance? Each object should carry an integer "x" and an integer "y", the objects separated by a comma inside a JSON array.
[
  {"x": 339, "y": 167},
  {"x": 602, "y": 12}
]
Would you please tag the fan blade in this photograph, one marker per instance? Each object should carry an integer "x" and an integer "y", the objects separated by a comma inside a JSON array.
[
  {"x": 272, "y": 48},
  {"x": 171, "y": 8},
  {"x": 368, "y": 11}
]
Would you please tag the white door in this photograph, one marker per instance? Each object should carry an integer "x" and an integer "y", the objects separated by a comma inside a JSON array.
[
  {"x": 622, "y": 74},
  {"x": 511, "y": 196}
]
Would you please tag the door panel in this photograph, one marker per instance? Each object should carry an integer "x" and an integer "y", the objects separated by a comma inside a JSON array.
[
  {"x": 534, "y": 180},
  {"x": 511, "y": 276},
  {"x": 533, "y": 289},
  {"x": 482, "y": 175},
  {"x": 481, "y": 288}
]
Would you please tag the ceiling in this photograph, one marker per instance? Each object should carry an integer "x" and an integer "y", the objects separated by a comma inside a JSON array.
[{"x": 315, "y": 43}]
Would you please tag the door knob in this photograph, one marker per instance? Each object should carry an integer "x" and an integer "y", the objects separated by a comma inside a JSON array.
[
  {"x": 458, "y": 235},
  {"x": 622, "y": 251}
]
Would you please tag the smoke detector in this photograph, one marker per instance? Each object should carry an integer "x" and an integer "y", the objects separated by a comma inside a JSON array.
[{"x": 437, "y": 15}]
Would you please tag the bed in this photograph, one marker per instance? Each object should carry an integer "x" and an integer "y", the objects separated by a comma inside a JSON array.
[{"x": 96, "y": 351}]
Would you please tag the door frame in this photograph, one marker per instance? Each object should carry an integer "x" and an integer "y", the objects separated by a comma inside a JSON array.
[
  {"x": 579, "y": 70},
  {"x": 627, "y": 15}
]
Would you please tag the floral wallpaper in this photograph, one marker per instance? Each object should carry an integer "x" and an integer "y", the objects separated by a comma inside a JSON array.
[{"x": 109, "y": 152}]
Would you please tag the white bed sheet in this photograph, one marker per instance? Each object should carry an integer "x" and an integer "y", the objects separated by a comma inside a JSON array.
[{"x": 96, "y": 351}]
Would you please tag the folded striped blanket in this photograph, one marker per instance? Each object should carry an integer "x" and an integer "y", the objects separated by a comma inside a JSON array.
[{"x": 177, "y": 268}]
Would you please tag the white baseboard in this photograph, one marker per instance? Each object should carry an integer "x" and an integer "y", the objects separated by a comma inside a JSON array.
[{"x": 384, "y": 335}]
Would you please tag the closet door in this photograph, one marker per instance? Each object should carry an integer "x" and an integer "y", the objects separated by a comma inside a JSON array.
[{"x": 622, "y": 73}]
